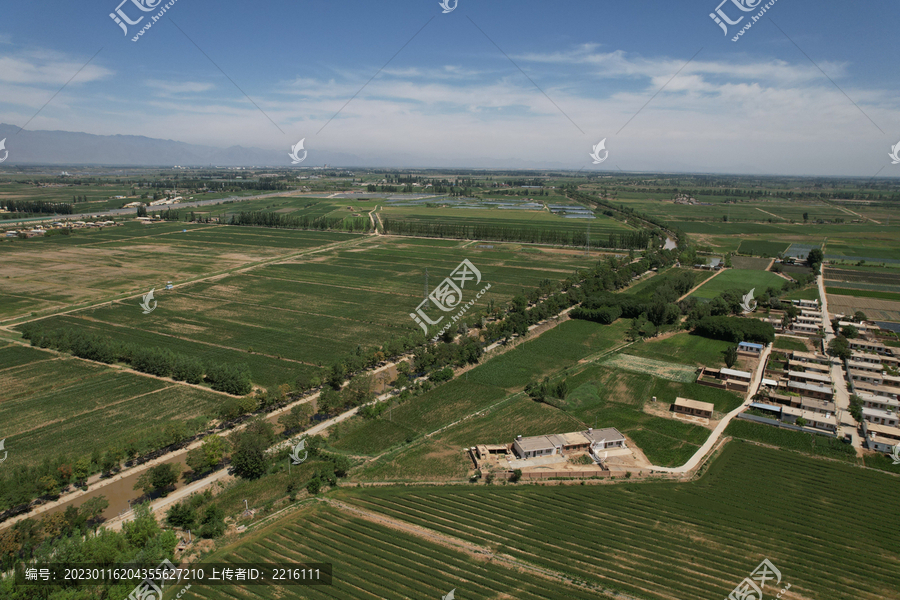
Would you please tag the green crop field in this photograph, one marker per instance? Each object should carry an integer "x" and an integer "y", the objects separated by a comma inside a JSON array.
[
  {"x": 683, "y": 540},
  {"x": 784, "y": 343},
  {"x": 299, "y": 315},
  {"x": 741, "y": 279},
  {"x": 93, "y": 265},
  {"x": 600, "y": 227},
  {"x": 481, "y": 387},
  {"x": 370, "y": 560},
  {"x": 599, "y": 396},
  {"x": 51, "y": 406},
  {"x": 761, "y": 248},
  {"x": 682, "y": 348}
]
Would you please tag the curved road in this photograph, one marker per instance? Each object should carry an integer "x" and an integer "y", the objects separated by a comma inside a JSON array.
[{"x": 720, "y": 428}]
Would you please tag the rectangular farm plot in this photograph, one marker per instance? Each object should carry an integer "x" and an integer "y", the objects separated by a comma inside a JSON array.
[
  {"x": 699, "y": 547},
  {"x": 738, "y": 279},
  {"x": 657, "y": 368},
  {"x": 762, "y": 248},
  {"x": 371, "y": 560},
  {"x": 72, "y": 406},
  {"x": 879, "y": 310}
]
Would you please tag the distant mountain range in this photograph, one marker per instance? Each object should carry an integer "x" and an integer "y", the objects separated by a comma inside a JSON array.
[{"x": 75, "y": 148}]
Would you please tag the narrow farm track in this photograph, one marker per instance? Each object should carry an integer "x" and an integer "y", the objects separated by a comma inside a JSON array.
[{"x": 701, "y": 284}]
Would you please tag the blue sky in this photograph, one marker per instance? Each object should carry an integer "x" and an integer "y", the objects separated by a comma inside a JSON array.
[{"x": 451, "y": 96}]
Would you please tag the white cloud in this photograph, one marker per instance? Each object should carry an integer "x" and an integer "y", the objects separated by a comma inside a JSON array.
[
  {"x": 178, "y": 87},
  {"x": 48, "y": 68},
  {"x": 747, "y": 115}
]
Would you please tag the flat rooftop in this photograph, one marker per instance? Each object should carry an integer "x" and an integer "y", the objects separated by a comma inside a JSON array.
[{"x": 695, "y": 404}]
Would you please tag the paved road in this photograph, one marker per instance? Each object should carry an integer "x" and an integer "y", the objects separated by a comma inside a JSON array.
[
  {"x": 720, "y": 428},
  {"x": 848, "y": 425}
]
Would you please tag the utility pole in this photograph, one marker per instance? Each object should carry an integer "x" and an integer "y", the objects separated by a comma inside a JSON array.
[{"x": 425, "y": 291}]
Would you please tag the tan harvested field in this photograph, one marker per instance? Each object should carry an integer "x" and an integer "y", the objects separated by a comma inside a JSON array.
[{"x": 878, "y": 310}]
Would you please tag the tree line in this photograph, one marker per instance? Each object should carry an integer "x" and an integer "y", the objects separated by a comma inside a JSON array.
[
  {"x": 283, "y": 221},
  {"x": 38, "y": 206},
  {"x": 504, "y": 233},
  {"x": 230, "y": 378}
]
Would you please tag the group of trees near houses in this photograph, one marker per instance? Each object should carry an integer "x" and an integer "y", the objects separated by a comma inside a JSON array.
[
  {"x": 736, "y": 329},
  {"x": 38, "y": 206},
  {"x": 229, "y": 378},
  {"x": 651, "y": 308}
]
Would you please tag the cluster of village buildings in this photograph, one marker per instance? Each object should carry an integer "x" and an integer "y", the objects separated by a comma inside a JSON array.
[
  {"x": 40, "y": 230},
  {"x": 803, "y": 391}
]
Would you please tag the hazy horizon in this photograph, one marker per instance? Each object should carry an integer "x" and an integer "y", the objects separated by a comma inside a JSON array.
[{"x": 524, "y": 85}]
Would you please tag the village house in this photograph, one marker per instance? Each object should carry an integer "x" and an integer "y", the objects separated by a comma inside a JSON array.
[
  {"x": 883, "y": 438},
  {"x": 694, "y": 408},
  {"x": 560, "y": 443},
  {"x": 876, "y": 390},
  {"x": 880, "y": 417},
  {"x": 863, "y": 345},
  {"x": 809, "y": 377},
  {"x": 812, "y": 390},
  {"x": 825, "y": 422},
  {"x": 750, "y": 348},
  {"x": 729, "y": 379},
  {"x": 881, "y": 402},
  {"x": 806, "y": 303}
]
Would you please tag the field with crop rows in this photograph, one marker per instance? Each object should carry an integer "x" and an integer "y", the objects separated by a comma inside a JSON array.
[
  {"x": 684, "y": 540},
  {"x": 300, "y": 315},
  {"x": 762, "y": 248},
  {"x": 863, "y": 293},
  {"x": 878, "y": 310},
  {"x": 600, "y": 227},
  {"x": 741, "y": 279},
  {"x": 370, "y": 560},
  {"x": 52, "y": 405},
  {"x": 751, "y": 263},
  {"x": 92, "y": 265},
  {"x": 601, "y": 396},
  {"x": 481, "y": 387},
  {"x": 886, "y": 279}
]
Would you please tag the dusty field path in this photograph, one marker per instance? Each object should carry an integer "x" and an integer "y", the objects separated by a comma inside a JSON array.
[{"x": 701, "y": 284}]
